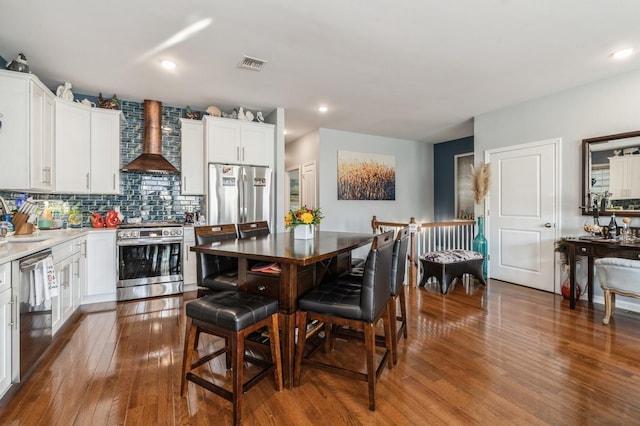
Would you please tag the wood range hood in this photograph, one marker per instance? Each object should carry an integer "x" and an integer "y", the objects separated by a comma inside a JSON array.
[{"x": 151, "y": 159}]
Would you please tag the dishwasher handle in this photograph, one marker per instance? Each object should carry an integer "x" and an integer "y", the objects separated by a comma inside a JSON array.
[{"x": 29, "y": 263}]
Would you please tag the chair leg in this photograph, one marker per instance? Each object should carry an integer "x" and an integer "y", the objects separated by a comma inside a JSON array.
[
  {"x": 189, "y": 349},
  {"x": 609, "y": 302},
  {"x": 302, "y": 338},
  {"x": 403, "y": 312},
  {"x": 389, "y": 335},
  {"x": 391, "y": 319},
  {"x": 237, "y": 364},
  {"x": 370, "y": 345},
  {"x": 274, "y": 341}
]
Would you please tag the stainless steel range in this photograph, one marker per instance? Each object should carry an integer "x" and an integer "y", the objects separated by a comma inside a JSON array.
[{"x": 149, "y": 260}]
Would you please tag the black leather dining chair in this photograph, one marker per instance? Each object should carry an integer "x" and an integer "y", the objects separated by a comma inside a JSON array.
[
  {"x": 398, "y": 275},
  {"x": 253, "y": 229},
  {"x": 215, "y": 273},
  {"x": 357, "y": 306}
]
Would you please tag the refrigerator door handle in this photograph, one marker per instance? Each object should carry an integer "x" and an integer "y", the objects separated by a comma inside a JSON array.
[{"x": 241, "y": 192}]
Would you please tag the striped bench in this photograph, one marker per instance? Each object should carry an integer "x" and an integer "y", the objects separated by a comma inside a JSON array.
[{"x": 447, "y": 265}]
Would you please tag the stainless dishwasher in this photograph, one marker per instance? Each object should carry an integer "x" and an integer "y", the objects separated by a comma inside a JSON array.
[{"x": 34, "y": 321}]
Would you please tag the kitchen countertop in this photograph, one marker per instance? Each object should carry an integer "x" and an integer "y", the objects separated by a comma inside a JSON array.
[{"x": 41, "y": 240}]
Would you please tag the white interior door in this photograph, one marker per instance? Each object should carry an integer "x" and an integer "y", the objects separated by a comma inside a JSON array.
[
  {"x": 309, "y": 185},
  {"x": 522, "y": 213}
]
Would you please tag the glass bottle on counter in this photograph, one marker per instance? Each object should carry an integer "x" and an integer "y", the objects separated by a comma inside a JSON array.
[{"x": 613, "y": 226}]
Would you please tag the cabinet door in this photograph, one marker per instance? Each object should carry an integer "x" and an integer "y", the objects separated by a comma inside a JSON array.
[
  {"x": 14, "y": 136},
  {"x": 42, "y": 135},
  {"x": 257, "y": 144},
  {"x": 633, "y": 173},
  {"x": 223, "y": 140},
  {"x": 192, "y": 156},
  {"x": 617, "y": 177},
  {"x": 105, "y": 151},
  {"x": 101, "y": 266},
  {"x": 189, "y": 273},
  {"x": 66, "y": 291},
  {"x": 83, "y": 272},
  {"x": 6, "y": 325},
  {"x": 73, "y": 147},
  {"x": 56, "y": 302}
]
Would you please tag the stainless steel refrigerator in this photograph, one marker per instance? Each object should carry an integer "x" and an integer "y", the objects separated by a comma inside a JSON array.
[{"x": 239, "y": 194}]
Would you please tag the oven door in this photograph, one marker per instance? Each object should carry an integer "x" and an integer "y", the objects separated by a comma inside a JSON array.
[{"x": 149, "y": 268}]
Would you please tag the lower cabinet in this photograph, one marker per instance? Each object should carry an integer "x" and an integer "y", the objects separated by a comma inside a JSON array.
[
  {"x": 189, "y": 262},
  {"x": 6, "y": 325},
  {"x": 66, "y": 263},
  {"x": 100, "y": 285}
]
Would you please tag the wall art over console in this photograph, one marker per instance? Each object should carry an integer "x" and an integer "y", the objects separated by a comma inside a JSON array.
[{"x": 366, "y": 176}]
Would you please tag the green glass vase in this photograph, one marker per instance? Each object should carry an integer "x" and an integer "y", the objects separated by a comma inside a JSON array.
[{"x": 481, "y": 245}]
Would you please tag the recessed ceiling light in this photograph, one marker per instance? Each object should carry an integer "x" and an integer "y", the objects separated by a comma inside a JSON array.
[
  {"x": 284, "y": 132},
  {"x": 167, "y": 64},
  {"x": 623, "y": 53},
  {"x": 323, "y": 108}
]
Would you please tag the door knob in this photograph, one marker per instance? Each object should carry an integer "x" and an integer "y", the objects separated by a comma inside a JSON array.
[{"x": 547, "y": 225}]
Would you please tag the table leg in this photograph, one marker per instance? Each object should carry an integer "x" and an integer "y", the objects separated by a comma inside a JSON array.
[
  {"x": 590, "y": 278},
  {"x": 571, "y": 257},
  {"x": 288, "y": 348}
]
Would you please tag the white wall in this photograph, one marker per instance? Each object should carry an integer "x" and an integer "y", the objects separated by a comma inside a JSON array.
[
  {"x": 602, "y": 108},
  {"x": 414, "y": 181},
  {"x": 302, "y": 150}
]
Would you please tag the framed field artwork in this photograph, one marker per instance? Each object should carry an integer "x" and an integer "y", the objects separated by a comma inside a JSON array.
[{"x": 364, "y": 176}]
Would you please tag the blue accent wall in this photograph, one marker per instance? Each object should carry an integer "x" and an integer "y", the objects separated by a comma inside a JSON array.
[
  {"x": 154, "y": 197},
  {"x": 444, "y": 178}
]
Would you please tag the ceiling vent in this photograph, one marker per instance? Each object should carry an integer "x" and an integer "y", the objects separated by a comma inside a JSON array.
[{"x": 253, "y": 64}]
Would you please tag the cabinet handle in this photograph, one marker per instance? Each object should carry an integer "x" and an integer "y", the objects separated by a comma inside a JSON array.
[
  {"x": 13, "y": 304},
  {"x": 262, "y": 287},
  {"x": 77, "y": 274},
  {"x": 88, "y": 181},
  {"x": 238, "y": 153},
  {"x": 184, "y": 183},
  {"x": 583, "y": 249},
  {"x": 114, "y": 182},
  {"x": 243, "y": 153}
]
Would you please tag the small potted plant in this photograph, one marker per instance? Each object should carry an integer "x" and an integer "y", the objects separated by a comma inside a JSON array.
[{"x": 302, "y": 220}]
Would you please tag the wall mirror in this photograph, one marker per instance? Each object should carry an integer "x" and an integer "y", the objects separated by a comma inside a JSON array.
[{"x": 611, "y": 174}]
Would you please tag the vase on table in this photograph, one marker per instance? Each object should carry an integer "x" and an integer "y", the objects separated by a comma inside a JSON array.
[
  {"x": 303, "y": 232},
  {"x": 481, "y": 245}
]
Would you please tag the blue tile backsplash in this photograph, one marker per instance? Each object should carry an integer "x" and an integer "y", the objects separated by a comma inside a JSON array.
[{"x": 154, "y": 197}]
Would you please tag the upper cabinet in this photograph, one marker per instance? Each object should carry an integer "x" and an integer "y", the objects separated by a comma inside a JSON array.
[
  {"x": 73, "y": 147},
  {"x": 87, "y": 149},
  {"x": 105, "y": 151},
  {"x": 192, "y": 154},
  {"x": 26, "y": 133},
  {"x": 239, "y": 142},
  {"x": 624, "y": 177}
]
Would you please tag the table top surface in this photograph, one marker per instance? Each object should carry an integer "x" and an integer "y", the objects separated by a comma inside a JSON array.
[
  {"x": 282, "y": 247},
  {"x": 634, "y": 244}
]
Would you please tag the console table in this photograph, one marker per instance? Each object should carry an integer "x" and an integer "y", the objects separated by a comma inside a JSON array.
[{"x": 592, "y": 248}]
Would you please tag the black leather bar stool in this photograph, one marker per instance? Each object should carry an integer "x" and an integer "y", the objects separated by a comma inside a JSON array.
[
  {"x": 233, "y": 316},
  {"x": 215, "y": 273},
  {"x": 357, "y": 306}
]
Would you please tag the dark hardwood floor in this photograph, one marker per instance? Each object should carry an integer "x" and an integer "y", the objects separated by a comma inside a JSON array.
[{"x": 501, "y": 354}]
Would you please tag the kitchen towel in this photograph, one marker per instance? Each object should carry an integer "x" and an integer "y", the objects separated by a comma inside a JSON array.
[{"x": 44, "y": 285}]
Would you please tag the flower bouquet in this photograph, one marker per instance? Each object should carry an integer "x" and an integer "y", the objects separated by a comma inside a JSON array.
[{"x": 302, "y": 221}]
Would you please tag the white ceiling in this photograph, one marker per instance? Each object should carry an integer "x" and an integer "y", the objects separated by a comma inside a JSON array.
[{"x": 412, "y": 69}]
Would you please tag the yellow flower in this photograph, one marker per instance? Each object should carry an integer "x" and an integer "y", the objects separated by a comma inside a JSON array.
[
  {"x": 288, "y": 219},
  {"x": 306, "y": 217}
]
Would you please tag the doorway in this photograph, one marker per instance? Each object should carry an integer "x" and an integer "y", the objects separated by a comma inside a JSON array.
[{"x": 522, "y": 213}]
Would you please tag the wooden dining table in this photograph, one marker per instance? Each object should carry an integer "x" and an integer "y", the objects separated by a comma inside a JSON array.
[{"x": 303, "y": 265}]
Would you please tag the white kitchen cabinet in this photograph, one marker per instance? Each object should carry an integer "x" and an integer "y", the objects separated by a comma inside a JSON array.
[
  {"x": 73, "y": 147},
  {"x": 6, "y": 327},
  {"x": 239, "y": 142},
  {"x": 66, "y": 265},
  {"x": 189, "y": 271},
  {"x": 80, "y": 270},
  {"x": 192, "y": 155},
  {"x": 624, "y": 177},
  {"x": 100, "y": 285},
  {"x": 105, "y": 151},
  {"x": 27, "y": 133}
]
